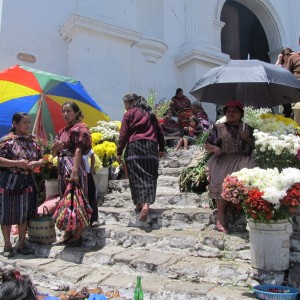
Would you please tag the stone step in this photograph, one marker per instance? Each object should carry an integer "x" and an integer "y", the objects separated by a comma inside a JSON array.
[
  {"x": 47, "y": 274},
  {"x": 176, "y": 218},
  {"x": 164, "y": 181},
  {"x": 165, "y": 198}
]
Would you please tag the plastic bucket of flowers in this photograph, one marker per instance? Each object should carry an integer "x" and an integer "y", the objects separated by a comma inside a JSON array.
[{"x": 269, "y": 199}]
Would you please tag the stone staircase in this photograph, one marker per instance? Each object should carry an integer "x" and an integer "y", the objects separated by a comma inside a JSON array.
[{"x": 177, "y": 250}]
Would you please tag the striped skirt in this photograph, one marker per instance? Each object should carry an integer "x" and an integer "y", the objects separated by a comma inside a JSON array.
[
  {"x": 184, "y": 117},
  {"x": 17, "y": 198},
  {"x": 142, "y": 164}
]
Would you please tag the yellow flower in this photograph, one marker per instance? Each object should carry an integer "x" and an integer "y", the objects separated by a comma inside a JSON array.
[
  {"x": 266, "y": 116},
  {"x": 55, "y": 161},
  {"x": 115, "y": 164},
  {"x": 99, "y": 150},
  {"x": 98, "y": 163},
  {"x": 96, "y": 138}
]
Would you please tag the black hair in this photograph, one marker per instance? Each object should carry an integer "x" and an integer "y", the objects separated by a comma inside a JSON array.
[
  {"x": 76, "y": 109},
  {"x": 15, "y": 286},
  {"x": 17, "y": 117},
  {"x": 179, "y": 90},
  {"x": 283, "y": 51},
  {"x": 139, "y": 101}
]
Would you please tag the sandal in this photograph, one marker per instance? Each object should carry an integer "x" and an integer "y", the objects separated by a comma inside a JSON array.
[{"x": 144, "y": 213}]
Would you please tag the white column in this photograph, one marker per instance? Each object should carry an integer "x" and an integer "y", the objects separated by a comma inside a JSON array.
[{"x": 199, "y": 21}]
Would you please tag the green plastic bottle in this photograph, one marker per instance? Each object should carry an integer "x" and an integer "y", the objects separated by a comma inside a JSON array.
[{"x": 138, "y": 292}]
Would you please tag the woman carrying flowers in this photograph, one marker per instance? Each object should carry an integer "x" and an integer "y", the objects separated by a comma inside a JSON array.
[
  {"x": 20, "y": 154},
  {"x": 231, "y": 143}
]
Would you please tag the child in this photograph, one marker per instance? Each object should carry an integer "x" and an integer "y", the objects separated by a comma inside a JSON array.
[
  {"x": 90, "y": 169},
  {"x": 190, "y": 133},
  {"x": 169, "y": 125}
]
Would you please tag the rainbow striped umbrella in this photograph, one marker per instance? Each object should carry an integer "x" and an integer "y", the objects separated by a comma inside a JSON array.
[{"x": 41, "y": 95}]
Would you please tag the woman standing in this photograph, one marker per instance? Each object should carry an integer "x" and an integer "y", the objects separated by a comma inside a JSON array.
[
  {"x": 182, "y": 108},
  {"x": 282, "y": 61},
  {"x": 20, "y": 154},
  {"x": 143, "y": 138},
  {"x": 70, "y": 144},
  {"x": 231, "y": 145}
]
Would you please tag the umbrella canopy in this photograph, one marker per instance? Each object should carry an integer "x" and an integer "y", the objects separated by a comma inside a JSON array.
[
  {"x": 253, "y": 82},
  {"x": 41, "y": 95}
]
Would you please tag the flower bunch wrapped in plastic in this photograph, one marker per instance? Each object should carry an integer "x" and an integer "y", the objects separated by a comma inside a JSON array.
[
  {"x": 108, "y": 130},
  {"x": 49, "y": 169},
  {"x": 276, "y": 142},
  {"x": 264, "y": 194},
  {"x": 277, "y": 124}
]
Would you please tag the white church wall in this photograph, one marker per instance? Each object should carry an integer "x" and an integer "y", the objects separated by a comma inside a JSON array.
[{"x": 120, "y": 46}]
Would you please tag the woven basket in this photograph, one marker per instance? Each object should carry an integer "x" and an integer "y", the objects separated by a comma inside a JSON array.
[{"x": 41, "y": 228}]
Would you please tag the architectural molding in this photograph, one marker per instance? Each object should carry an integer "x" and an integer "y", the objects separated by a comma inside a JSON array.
[
  {"x": 151, "y": 49},
  {"x": 215, "y": 59},
  {"x": 79, "y": 23}
]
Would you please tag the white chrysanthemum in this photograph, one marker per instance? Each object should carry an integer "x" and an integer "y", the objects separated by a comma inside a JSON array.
[{"x": 273, "y": 195}]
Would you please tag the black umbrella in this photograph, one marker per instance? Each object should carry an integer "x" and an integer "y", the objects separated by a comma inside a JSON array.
[{"x": 253, "y": 82}]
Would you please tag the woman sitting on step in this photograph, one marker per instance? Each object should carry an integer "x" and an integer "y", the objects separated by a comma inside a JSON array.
[
  {"x": 143, "y": 138},
  {"x": 231, "y": 143}
]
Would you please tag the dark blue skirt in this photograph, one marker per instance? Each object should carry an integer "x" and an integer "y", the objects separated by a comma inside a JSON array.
[{"x": 142, "y": 163}]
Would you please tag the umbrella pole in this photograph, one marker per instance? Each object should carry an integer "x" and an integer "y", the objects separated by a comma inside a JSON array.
[{"x": 38, "y": 112}]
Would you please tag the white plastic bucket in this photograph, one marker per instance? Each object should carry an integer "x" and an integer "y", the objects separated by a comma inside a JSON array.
[
  {"x": 51, "y": 187},
  {"x": 270, "y": 245},
  {"x": 101, "y": 183}
]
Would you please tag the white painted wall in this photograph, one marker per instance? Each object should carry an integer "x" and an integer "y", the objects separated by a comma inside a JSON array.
[{"x": 104, "y": 49}]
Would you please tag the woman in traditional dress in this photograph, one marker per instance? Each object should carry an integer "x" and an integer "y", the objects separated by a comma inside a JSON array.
[
  {"x": 201, "y": 114},
  {"x": 20, "y": 154},
  {"x": 182, "y": 108},
  {"x": 70, "y": 144},
  {"x": 169, "y": 125},
  {"x": 231, "y": 145},
  {"x": 143, "y": 138}
]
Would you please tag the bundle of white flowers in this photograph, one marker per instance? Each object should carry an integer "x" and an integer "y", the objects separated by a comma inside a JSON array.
[
  {"x": 276, "y": 143},
  {"x": 271, "y": 182},
  {"x": 109, "y": 130}
]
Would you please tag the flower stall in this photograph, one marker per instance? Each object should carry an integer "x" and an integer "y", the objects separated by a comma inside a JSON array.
[
  {"x": 269, "y": 199},
  {"x": 269, "y": 194}
]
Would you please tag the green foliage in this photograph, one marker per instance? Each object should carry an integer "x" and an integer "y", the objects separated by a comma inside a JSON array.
[
  {"x": 193, "y": 179},
  {"x": 268, "y": 159},
  {"x": 160, "y": 107}
]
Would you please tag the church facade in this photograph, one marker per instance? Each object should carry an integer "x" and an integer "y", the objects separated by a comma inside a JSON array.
[{"x": 118, "y": 46}]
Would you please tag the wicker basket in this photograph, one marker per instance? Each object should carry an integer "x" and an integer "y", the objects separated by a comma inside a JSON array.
[
  {"x": 264, "y": 291},
  {"x": 41, "y": 228}
]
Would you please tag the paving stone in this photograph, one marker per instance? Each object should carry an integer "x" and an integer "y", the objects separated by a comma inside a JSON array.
[
  {"x": 190, "y": 288},
  {"x": 229, "y": 293},
  {"x": 102, "y": 257},
  {"x": 74, "y": 274}
]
